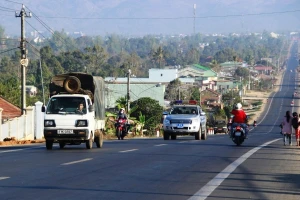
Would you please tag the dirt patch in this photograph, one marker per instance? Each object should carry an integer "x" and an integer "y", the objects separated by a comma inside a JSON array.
[
  {"x": 13, "y": 141},
  {"x": 265, "y": 97}
]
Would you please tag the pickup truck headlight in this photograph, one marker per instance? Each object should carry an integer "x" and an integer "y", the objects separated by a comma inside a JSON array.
[
  {"x": 81, "y": 123},
  {"x": 195, "y": 121},
  {"x": 49, "y": 123},
  {"x": 166, "y": 121}
]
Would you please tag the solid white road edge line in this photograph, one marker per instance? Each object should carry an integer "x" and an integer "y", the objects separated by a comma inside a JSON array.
[
  {"x": 128, "y": 150},
  {"x": 159, "y": 145},
  {"x": 78, "y": 161},
  {"x": 4, "y": 177},
  {"x": 207, "y": 189}
]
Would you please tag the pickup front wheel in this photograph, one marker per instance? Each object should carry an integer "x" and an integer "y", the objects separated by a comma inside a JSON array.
[
  {"x": 203, "y": 134},
  {"x": 198, "y": 134},
  {"x": 166, "y": 135}
]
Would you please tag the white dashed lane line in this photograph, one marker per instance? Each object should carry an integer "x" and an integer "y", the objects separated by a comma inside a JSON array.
[
  {"x": 159, "y": 145},
  {"x": 78, "y": 161},
  {"x": 3, "y": 177},
  {"x": 128, "y": 150},
  {"x": 14, "y": 150},
  {"x": 7, "y": 151}
]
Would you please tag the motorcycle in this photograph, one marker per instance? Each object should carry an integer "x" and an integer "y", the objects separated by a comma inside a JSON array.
[
  {"x": 238, "y": 135},
  {"x": 121, "y": 130}
]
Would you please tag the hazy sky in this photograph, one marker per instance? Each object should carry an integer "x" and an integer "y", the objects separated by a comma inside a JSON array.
[{"x": 140, "y": 17}]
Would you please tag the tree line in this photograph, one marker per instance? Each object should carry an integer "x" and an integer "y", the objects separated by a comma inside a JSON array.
[{"x": 113, "y": 54}]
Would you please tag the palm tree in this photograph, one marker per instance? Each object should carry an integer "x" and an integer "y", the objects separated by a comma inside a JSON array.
[
  {"x": 159, "y": 56},
  {"x": 121, "y": 103}
]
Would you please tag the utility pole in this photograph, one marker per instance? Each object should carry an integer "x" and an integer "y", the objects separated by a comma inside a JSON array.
[
  {"x": 128, "y": 91},
  {"x": 200, "y": 95},
  {"x": 194, "y": 17},
  {"x": 24, "y": 60}
]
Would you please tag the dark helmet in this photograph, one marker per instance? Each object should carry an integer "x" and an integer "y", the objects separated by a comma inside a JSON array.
[{"x": 295, "y": 114}]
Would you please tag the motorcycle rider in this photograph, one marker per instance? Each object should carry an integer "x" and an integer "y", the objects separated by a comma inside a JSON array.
[
  {"x": 122, "y": 115},
  {"x": 239, "y": 117}
]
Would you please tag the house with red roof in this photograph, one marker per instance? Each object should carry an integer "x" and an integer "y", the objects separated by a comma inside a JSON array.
[
  {"x": 261, "y": 69},
  {"x": 9, "y": 110}
]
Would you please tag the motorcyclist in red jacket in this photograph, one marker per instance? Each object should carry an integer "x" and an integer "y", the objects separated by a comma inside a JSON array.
[{"x": 239, "y": 117}]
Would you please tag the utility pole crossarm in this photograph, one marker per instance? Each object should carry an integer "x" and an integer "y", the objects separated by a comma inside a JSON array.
[{"x": 23, "y": 14}]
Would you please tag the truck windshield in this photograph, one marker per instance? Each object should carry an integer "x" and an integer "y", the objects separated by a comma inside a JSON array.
[
  {"x": 66, "y": 105},
  {"x": 184, "y": 110}
]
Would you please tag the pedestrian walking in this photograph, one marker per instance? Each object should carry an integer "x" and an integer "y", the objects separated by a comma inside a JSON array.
[
  {"x": 287, "y": 128},
  {"x": 297, "y": 132},
  {"x": 295, "y": 124}
]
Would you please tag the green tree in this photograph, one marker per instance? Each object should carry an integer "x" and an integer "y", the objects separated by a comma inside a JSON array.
[
  {"x": 149, "y": 108},
  {"x": 172, "y": 90}
]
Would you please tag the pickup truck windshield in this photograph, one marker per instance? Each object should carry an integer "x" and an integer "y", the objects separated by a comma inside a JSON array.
[
  {"x": 184, "y": 110},
  {"x": 66, "y": 105}
]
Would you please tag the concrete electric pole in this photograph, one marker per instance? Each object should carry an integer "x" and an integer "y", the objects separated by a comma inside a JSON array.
[
  {"x": 128, "y": 91},
  {"x": 24, "y": 60},
  {"x": 194, "y": 18}
]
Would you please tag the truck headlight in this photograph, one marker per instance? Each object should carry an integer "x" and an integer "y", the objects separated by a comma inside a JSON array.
[
  {"x": 195, "y": 121},
  {"x": 81, "y": 123},
  {"x": 166, "y": 121},
  {"x": 49, "y": 123}
]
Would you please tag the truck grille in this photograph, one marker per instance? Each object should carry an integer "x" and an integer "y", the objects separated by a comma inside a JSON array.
[{"x": 181, "y": 121}]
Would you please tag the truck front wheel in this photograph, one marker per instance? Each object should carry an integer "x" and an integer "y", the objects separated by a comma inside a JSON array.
[
  {"x": 49, "y": 144},
  {"x": 62, "y": 144},
  {"x": 99, "y": 140},
  {"x": 89, "y": 142}
]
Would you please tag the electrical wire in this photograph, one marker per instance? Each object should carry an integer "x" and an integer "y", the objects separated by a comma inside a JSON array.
[
  {"x": 35, "y": 29},
  {"x": 14, "y": 2},
  {"x": 1, "y": 7},
  {"x": 1, "y": 52},
  {"x": 171, "y": 18},
  {"x": 50, "y": 29}
]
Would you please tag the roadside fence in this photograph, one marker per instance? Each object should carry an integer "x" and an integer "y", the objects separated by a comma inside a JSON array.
[{"x": 26, "y": 127}]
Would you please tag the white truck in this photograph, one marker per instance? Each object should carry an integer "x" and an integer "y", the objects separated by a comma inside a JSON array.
[{"x": 63, "y": 123}]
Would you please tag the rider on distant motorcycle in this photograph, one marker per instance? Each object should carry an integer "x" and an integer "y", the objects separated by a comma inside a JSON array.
[
  {"x": 122, "y": 115},
  {"x": 240, "y": 117}
]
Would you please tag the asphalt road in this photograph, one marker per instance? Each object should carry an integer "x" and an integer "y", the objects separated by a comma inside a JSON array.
[{"x": 262, "y": 168}]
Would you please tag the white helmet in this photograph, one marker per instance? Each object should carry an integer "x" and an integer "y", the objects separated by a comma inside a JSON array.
[{"x": 238, "y": 105}]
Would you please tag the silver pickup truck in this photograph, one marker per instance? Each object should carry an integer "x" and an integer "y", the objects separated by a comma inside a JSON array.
[{"x": 185, "y": 119}]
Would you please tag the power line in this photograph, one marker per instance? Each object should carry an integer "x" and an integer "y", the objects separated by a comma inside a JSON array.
[
  {"x": 170, "y": 18},
  {"x": 50, "y": 30},
  {"x": 1, "y": 52},
  {"x": 35, "y": 29},
  {"x": 7, "y": 8},
  {"x": 14, "y": 2},
  {"x": 8, "y": 39}
]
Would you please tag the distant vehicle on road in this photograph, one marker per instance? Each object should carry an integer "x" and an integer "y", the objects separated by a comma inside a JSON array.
[
  {"x": 63, "y": 122},
  {"x": 220, "y": 126},
  {"x": 185, "y": 118}
]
